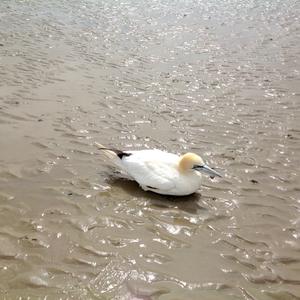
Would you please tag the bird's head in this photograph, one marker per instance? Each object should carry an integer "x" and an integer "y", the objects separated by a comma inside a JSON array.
[{"x": 193, "y": 162}]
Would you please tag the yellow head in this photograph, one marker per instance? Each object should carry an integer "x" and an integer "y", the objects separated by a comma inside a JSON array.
[
  {"x": 191, "y": 162},
  {"x": 188, "y": 162}
]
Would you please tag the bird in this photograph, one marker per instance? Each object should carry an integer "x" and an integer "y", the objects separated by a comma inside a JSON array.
[{"x": 159, "y": 171}]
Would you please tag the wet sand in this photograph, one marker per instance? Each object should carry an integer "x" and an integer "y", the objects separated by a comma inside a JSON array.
[{"x": 220, "y": 78}]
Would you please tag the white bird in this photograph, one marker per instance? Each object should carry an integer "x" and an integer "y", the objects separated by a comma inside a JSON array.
[{"x": 159, "y": 171}]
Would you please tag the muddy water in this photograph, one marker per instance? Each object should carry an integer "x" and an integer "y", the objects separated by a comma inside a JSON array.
[{"x": 220, "y": 78}]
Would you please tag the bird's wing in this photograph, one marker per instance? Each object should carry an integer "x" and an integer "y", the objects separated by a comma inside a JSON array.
[{"x": 152, "y": 168}]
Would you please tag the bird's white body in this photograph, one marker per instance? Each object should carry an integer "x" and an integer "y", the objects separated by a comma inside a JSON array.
[{"x": 159, "y": 171}]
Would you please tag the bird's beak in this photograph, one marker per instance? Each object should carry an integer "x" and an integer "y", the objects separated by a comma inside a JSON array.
[{"x": 207, "y": 170}]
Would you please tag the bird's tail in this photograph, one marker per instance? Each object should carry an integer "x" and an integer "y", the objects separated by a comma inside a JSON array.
[
  {"x": 111, "y": 155},
  {"x": 114, "y": 156}
]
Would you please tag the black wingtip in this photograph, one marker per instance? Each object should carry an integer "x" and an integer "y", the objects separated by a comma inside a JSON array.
[{"x": 121, "y": 154}]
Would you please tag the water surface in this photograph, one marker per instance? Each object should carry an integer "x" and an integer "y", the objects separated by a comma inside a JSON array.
[{"x": 220, "y": 78}]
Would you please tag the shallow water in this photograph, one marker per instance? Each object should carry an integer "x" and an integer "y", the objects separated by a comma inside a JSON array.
[{"x": 220, "y": 78}]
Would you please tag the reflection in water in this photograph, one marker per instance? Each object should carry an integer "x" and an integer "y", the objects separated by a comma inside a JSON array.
[
  {"x": 218, "y": 78},
  {"x": 186, "y": 203}
]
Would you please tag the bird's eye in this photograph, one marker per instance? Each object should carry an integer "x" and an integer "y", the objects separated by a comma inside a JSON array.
[{"x": 197, "y": 167}]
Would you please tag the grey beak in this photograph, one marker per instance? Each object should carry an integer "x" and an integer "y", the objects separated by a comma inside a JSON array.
[{"x": 207, "y": 170}]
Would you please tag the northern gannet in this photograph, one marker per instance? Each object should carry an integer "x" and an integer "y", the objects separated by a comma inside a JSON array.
[{"x": 159, "y": 171}]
